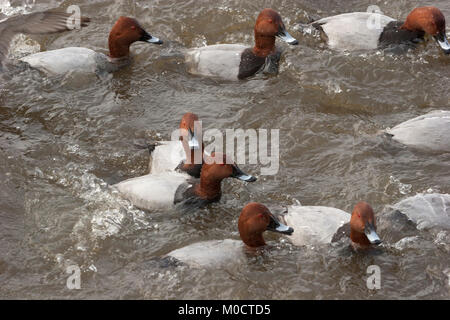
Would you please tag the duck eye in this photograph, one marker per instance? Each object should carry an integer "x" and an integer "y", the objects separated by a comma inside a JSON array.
[{"x": 133, "y": 27}]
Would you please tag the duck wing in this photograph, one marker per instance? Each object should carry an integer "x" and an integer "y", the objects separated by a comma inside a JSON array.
[{"x": 34, "y": 23}]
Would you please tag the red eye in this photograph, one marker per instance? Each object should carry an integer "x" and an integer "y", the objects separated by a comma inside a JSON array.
[
  {"x": 133, "y": 27},
  {"x": 260, "y": 216}
]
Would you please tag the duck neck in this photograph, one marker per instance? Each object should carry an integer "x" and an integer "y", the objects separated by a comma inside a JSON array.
[
  {"x": 191, "y": 167},
  {"x": 188, "y": 167},
  {"x": 193, "y": 170},
  {"x": 118, "y": 49},
  {"x": 359, "y": 238},
  {"x": 407, "y": 27},
  {"x": 264, "y": 45},
  {"x": 208, "y": 188}
]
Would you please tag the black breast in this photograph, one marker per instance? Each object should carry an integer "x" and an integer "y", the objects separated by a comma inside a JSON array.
[
  {"x": 251, "y": 64},
  {"x": 342, "y": 232},
  {"x": 192, "y": 170},
  {"x": 393, "y": 35},
  {"x": 195, "y": 170}
]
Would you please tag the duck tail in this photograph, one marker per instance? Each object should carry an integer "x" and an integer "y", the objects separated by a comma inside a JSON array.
[{"x": 149, "y": 146}]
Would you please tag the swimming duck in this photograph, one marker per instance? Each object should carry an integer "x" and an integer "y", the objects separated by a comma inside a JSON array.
[
  {"x": 168, "y": 188},
  {"x": 172, "y": 155},
  {"x": 254, "y": 220},
  {"x": 125, "y": 32},
  {"x": 428, "y": 132},
  {"x": 368, "y": 31},
  {"x": 235, "y": 61},
  {"x": 427, "y": 210},
  {"x": 319, "y": 225}
]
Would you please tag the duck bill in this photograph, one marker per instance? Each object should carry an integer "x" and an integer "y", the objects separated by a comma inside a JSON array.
[
  {"x": 146, "y": 37},
  {"x": 238, "y": 174},
  {"x": 371, "y": 235},
  {"x": 286, "y": 37},
  {"x": 441, "y": 39},
  {"x": 193, "y": 141},
  {"x": 276, "y": 226}
]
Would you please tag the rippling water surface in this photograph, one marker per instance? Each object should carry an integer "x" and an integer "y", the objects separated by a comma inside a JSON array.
[{"x": 64, "y": 140}]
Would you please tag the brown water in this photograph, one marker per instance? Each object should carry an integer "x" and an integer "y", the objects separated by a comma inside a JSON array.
[{"x": 64, "y": 140}]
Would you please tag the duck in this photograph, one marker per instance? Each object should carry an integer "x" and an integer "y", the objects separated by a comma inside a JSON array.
[
  {"x": 124, "y": 32},
  {"x": 236, "y": 61},
  {"x": 426, "y": 210},
  {"x": 45, "y": 22},
  {"x": 168, "y": 188},
  {"x": 173, "y": 155},
  {"x": 428, "y": 132},
  {"x": 254, "y": 219},
  {"x": 368, "y": 31},
  {"x": 318, "y": 225}
]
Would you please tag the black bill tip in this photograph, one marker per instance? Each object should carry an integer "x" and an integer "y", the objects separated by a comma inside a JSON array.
[
  {"x": 239, "y": 174},
  {"x": 146, "y": 37},
  {"x": 276, "y": 226}
]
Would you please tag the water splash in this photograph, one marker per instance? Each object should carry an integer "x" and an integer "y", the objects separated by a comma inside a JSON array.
[
  {"x": 403, "y": 188},
  {"x": 103, "y": 215}
]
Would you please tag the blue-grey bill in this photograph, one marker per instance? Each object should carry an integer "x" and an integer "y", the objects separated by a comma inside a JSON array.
[
  {"x": 154, "y": 40},
  {"x": 443, "y": 42},
  {"x": 282, "y": 228},
  {"x": 276, "y": 226},
  {"x": 239, "y": 174},
  {"x": 286, "y": 37},
  {"x": 445, "y": 45},
  {"x": 371, "y": 235},
  {"x": 246, "y": 178}
]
